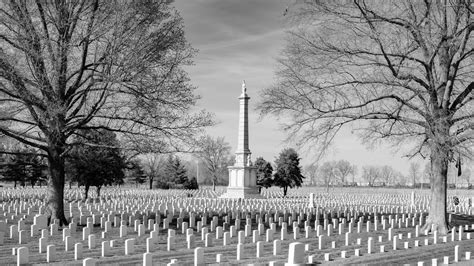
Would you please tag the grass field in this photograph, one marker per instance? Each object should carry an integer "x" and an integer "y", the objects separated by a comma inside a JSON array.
[{"x": 339, "y": 205}]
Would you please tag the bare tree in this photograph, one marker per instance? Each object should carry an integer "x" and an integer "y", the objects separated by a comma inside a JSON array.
[
  {"x": 311, "y": 172},
  {"x": 414, "y": 172},
  {"x": 370, "y": 174},
  {"x": 116, "y": 65},
  {"x": 388, "y": 175},
  {"x": 215, "y": 154},
  {"x": 153, "y": 164},
  {"x": 427, "y": 174},
  {"x": 466, "y": 175},
  {"x": 402, "y": 180},
  {"x": 354, "y": 173},
  {"x": 342, "y": 170},
  {"x": 397, "y": 71},
  {"x": 326, "y": 174}
]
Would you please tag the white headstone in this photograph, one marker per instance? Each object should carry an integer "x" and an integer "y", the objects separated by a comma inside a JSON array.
[
  {"x": 23, "y": 256},
  {"x": 295, "y": 254},
  {"x": 89, "y": 262},
  {"x": 50, "y": 253},
  {"x": 147, "y": 259},
  {"x": 78, "y": 251}
]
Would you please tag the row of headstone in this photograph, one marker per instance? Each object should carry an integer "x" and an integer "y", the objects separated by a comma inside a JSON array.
[{"x": 218, "y": 222}]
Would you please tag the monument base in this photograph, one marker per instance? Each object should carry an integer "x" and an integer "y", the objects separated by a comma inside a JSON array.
[
  {"x": 242, "y": 183},
  {"x": 242, "y": 193}
]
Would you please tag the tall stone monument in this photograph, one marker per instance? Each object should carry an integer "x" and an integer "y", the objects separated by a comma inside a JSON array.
[{"x": 243, "y": 175}]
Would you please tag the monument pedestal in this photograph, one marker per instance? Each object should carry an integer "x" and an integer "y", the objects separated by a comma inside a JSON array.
[
  {"x": 242, "y": 183},
  {"x": 242, "y": 193}
]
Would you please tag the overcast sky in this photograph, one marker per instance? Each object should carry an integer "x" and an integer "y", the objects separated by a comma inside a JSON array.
[{"x": 240, "y": 40}]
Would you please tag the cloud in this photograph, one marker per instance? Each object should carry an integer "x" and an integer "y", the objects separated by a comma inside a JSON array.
[
  {"x": 245, "y": 40},
  {"x": 240, "y": 39},
  {"x": 215, "y": 21}
]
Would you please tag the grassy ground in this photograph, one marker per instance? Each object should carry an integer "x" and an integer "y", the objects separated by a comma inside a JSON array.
[{"x": 297, "y": 199}]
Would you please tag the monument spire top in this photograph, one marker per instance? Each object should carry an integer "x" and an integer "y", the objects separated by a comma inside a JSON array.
[{"x": 244, "y": 88}]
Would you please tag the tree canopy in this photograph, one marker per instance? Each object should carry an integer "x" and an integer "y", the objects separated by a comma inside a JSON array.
[
  {"x": 288, "y": 170},
  {"x": 67, "y": 66},
  {"x": 264, "y": 173}
]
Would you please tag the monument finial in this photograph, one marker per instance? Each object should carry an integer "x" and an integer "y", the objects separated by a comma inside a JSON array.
[{"x": 244, "y": 88}]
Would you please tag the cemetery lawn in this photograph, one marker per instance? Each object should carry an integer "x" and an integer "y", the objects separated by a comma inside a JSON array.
[{"x": 358, "y": 207}]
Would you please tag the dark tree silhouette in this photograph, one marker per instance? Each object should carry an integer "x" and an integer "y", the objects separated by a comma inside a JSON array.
[
  {"x": 191, "y": 183},
  {"x": 264, "y": 173},
  {"x": 175, "y": 172},
  {"x": 23, "y": 165},
  {"x": 288, "y": 171},
  {"x": 95, "y": 160}
]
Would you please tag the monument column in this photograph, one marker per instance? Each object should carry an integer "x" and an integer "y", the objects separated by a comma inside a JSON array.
[
  {"x": 242, "y": 153},
  {"x": 243, "y": 175}
]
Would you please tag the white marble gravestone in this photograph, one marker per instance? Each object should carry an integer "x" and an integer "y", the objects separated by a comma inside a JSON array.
[{"x": 243, "y": 175}]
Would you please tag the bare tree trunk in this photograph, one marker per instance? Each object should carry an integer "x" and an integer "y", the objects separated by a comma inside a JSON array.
[
  {"x": 56, "y": 187},
  {"x": 214, "y": 178},
  {"x": 439, "y": 167},
  {"x": 86, "y": 191},
  {"x": 151, "y": 183},
  {"x": 15, "y": 184}
]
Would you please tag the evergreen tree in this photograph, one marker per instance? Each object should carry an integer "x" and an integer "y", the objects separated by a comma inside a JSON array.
[
  {"x": 14, "y": 170},
  {"x": 181, "y": 176},
  {"x": 175, "y": 172},
  {"x": 191, "y": 184},
  {"x": 23, "y": 165},
  {"x": 288, "y": 171},
  {"x": 38, "y": 170},
  {"x": 95, "y": 160},
  {"x": 264, "y": 173}
]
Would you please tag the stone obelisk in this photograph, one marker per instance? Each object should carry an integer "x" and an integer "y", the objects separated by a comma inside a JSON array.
[{"x": 243, "y": 175}]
